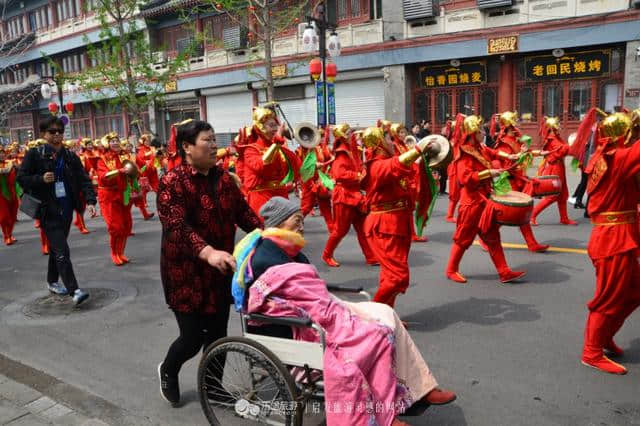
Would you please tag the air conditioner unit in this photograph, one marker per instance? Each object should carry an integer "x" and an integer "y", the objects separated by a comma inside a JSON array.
[
  {"x": 234, "y": 38},
  {"x": 159, "y": 57}
]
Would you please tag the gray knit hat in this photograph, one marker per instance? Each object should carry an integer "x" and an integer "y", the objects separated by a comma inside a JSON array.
[{"x": 277, "y": 210}]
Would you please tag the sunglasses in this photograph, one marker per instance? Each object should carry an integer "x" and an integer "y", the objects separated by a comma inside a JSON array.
[{"x": 55, "y": 131}]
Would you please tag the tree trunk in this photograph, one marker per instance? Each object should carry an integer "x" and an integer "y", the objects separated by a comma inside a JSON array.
[{"x": 267, "y": 51}]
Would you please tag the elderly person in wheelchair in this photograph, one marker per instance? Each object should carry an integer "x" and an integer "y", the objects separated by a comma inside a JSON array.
[{"x": 372, "y": 371}]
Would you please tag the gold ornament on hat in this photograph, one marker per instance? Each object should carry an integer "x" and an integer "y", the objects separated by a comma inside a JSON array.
[
  {"x": 472, "y": 124},
  {"x": 341, "y": 130},
  {"x": 616, "y": 125},
  {"x": 372, "y": 137},
  {"x": 509, "y": 118},
  {"x": 107, "y": 138},
  {"x": 260, "y": 115},
  {"x": 552, "y": 123},
  {"x": 395, "y": 129}
]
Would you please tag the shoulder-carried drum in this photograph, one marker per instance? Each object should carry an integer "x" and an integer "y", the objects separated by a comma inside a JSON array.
[
  {"x": 543, "y": 186},
  {"x": 513, "y": 208}
]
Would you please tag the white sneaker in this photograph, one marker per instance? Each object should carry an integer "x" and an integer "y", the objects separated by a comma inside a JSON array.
[{"x": 572, "y": 200}]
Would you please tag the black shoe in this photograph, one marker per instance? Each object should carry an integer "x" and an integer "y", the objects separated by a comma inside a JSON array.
[
  {"x": 578, "y": 205},
  {"x": 169, "y": 387},
  {"x": 586, "y": 214}
]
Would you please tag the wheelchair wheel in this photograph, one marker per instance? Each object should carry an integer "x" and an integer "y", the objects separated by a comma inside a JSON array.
[{"x": 241, "y": 382}]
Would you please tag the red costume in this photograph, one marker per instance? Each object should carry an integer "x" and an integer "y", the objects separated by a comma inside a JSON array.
[
  {"x": 554, "y": 165},
  {"x": 389, "y": 222},
  {"x": 400, "y": 147},
  {"x": 145, "y": 159},
  {"x": 473, "y": 163},
  {"x": 614, "y": 194},
  {"x": 8, "y": 199},
  {"x": 263, "y": 180},
  {"x": 313, "y": 191},
  {"x": 112, "y": 184},
  {"x": 508, "y": 143},
  {"x": 348, "y": 202}
]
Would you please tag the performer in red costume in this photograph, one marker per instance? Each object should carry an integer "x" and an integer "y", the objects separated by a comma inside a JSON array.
[
  {"x": 8, "y": 198},
  {"x": 614, "y": 194},
  {"x": 474, "y": 165},
  {"x": 507, "y": 144},
  {"x": 554, "y": 165},
  {"x": 454, "y": 185},
  {"x": 389, "y": 222},
  {"x": 266, "y": 161},
  {"x": 398, "y": 134},
  {"x": 148, "y": 179},
  {"x": 348, "y": 202},
  {"x": 112, "y": 184},
  {"x": 313, "y": 191}
]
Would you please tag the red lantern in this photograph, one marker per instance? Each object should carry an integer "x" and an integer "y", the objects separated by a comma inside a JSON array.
[
  {"x": 69, "y": 107},
  {"x": 331, "y": 71},
  {"x": 315, "y": 68},
  {"x": 53, "y": 108}
]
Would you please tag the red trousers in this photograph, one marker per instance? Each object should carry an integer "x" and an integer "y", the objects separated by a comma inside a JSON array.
[
  {"x": 343, "y": 217},
  {"x": 8, "y": 216},
  {"x": 392, "y": 251},
  {"x": 309, "y": 199},
  {"x": 256, "y": 199},
  {"x": 617, "y": 295},
  {"x": 466, "y": 230}
]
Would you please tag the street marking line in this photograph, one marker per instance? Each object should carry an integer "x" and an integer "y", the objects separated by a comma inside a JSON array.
[{"x": 556, "y": 249}]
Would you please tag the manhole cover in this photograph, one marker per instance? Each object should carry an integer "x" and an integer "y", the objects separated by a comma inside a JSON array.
[{"x": 53, "y": 305}]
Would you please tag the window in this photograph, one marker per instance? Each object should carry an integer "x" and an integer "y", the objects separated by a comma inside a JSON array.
[
  {"x": 73, "y": 63},
  {"x": 168, "y": 37},
  {"x": 109, "y": 119},
  {"x": 465, "y": 102},
  {"x": 526, "y": 97},
  {"x": 285, "y": 93},
  {"x": 579, "y": 99},
  {"x": 423, "y": 107},
  {"x": 488, "y": 104},
  {"x": 552, "y": 100},
  {"x": 609, "y": 97},
  {"x": 375, "y": 9},
  {"x": 443, "y": 107},
  {"x": 39, "y": 19},
  {"x": 15, "y": 27},
  {"x": 213, "y": 28},
  {"x": 493, "y": 71},
  {"x": 348, "y": 11},
  {"x": 68, "y": 9}
]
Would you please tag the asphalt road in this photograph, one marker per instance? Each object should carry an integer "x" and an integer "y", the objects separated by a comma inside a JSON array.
[{"x": 511, "y": 352}]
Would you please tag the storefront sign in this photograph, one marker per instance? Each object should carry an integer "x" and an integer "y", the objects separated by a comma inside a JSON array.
[
  {"x": 320, "y": 104},
  {"x": 500, "y": 45},
  {"x": 171, "y": 86},
  {"x": 632, "y": 93},
  {"x": 331, "y": 101},
  {"x": 571, "y": 65},
  {"x": 279, "y": 71},
  {"x": 467, "y": 74}
]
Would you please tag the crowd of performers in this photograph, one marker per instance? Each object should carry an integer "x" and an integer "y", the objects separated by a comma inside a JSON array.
[
  {"x": 119, "y": 187},
  {"x": 384, "y": 184}
]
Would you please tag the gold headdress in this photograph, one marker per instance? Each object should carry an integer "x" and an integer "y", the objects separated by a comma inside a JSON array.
[
  {"x": 509, "y": 118},
  {"x": 107, "y": 138},
  {"x": 341, "y": 130},
  {"x": 395, "y": 129},
  {"x": 372, "y": 137},
  {"x": 472, "y": 124},
  {"x": 260, "y": 115}
]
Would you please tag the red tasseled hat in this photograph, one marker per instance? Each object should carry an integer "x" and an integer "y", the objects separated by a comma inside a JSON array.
[{"x": 579, "y": 146}]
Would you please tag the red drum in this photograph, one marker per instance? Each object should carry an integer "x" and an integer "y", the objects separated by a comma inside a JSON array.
[
  {"x": 546, "y": 185},
  {"x": 512, "y": 209}
]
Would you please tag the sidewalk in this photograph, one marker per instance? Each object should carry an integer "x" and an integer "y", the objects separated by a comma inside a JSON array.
[{"x": 22, "y": 405}]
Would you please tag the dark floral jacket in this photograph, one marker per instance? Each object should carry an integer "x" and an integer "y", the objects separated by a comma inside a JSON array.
[{"x": 196, "y": 211}]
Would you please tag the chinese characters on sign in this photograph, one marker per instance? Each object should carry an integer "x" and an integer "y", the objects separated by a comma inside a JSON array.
[
  {"x": 171, "y": 86},
  {"x": 498, "y": 45},
  {"x": 571, "y": 65},
  {"x": 331, "y": 102},
  {"x": 320, "y": 104},
  {"x": 279, "y": 71},
  {"x": 467, "y": 74}
]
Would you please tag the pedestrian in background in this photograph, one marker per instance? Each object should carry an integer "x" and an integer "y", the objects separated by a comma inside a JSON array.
[
  {"x": 199, "y": 206},
  {"x": 56, "y": 177}
]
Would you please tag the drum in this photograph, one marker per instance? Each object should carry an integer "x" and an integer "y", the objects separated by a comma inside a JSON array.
[
  {"x": 512, "y": 209},
  {"x": 543, "y": 186}
]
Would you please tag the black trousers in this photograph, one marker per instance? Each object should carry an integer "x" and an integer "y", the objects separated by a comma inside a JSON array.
[
  {"x": 443, "y": 180},
  {"x": 196, "y": 331},
  {"x": 56, "y": 228},
  {"x": 580, "y": 189}
]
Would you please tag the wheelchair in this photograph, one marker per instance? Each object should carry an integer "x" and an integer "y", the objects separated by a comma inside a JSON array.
[{"x": 255, "y": 378}]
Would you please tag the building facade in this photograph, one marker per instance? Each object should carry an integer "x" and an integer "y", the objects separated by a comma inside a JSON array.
[{"x": 406, "y": 60}]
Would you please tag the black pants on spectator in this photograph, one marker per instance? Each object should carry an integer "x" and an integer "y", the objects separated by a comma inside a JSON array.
[
  {"x": 196, "y": 331},
  {"x": 443, "y": 180},
  {"x": 56, "y": 228},
  {"x": 582, "y": 186}
]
